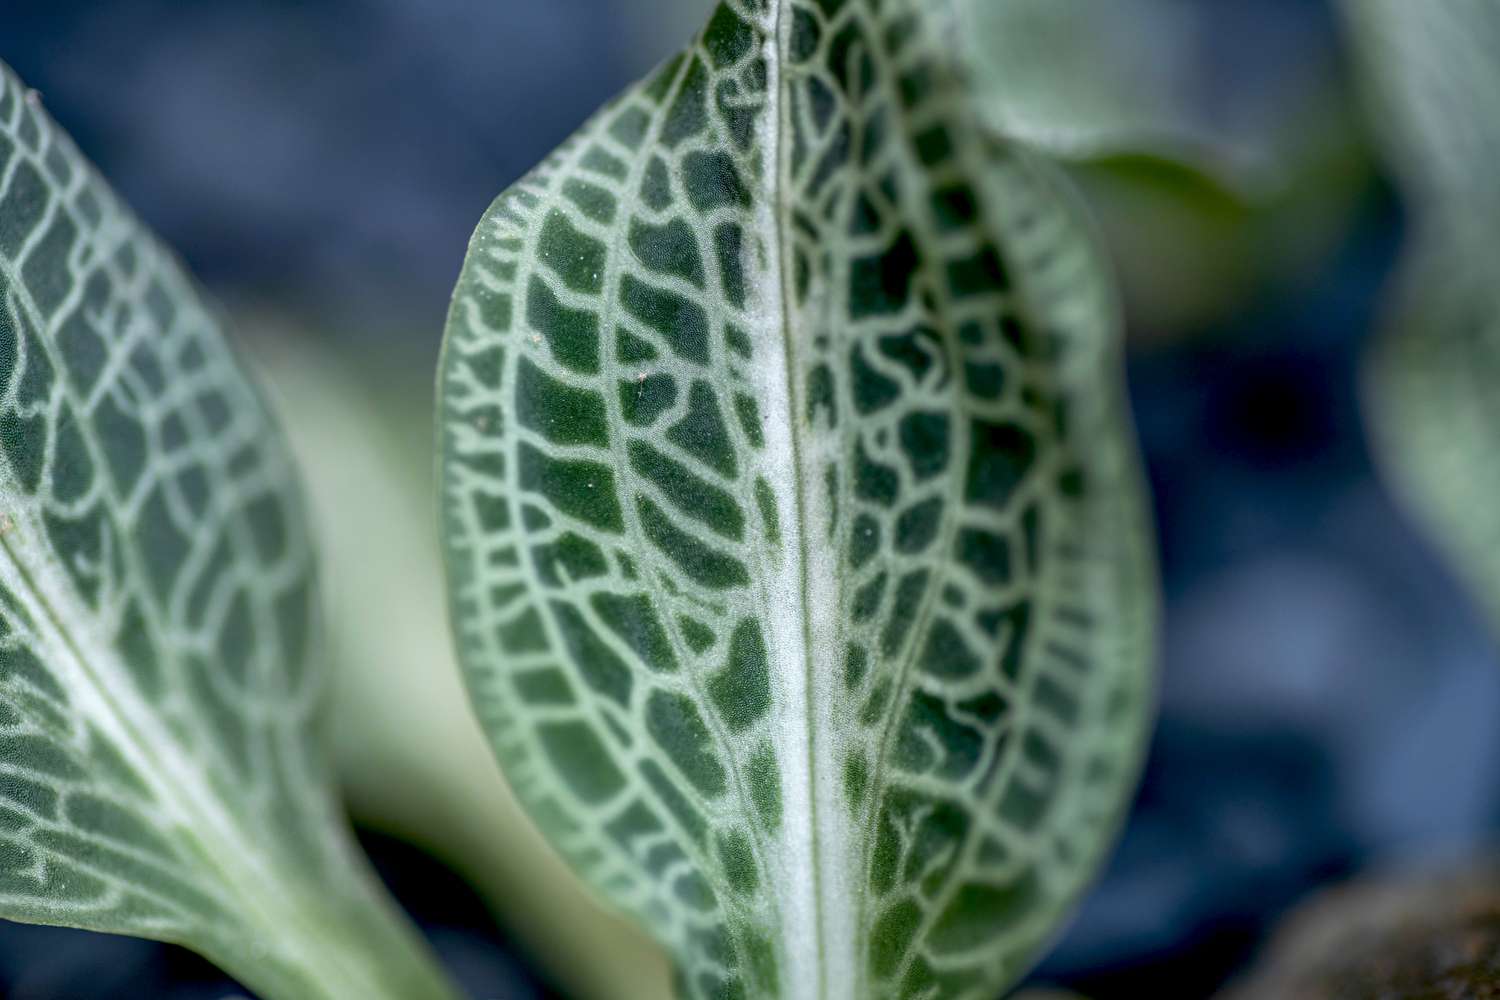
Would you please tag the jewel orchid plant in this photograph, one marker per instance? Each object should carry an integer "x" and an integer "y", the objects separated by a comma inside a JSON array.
[{"x": 797, "y": 551}]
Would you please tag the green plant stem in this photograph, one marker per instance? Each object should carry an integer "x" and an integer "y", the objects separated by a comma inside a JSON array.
[{"x": 334, "y": 934}]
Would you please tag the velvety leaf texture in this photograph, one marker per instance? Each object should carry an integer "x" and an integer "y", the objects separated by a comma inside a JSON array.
[
  {"x": 156, "y": 696},
  {"x": 1433, "y": 83},
  {"x": 797, "y": 550}
]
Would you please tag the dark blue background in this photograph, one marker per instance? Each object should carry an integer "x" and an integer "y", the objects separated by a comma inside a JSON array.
[{"x": 1329, "y": 698}]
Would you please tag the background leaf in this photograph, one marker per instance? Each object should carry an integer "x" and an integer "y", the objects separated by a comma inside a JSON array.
[
  {"x": 363, "y": 432},
  {"x": 1081, "y": 79},
  {"x": 159, "y": 773},
  {"x": 1215, "y": 143},
  {"x": 1433, "y": 388},
  {"x": 796, "y": 547}
]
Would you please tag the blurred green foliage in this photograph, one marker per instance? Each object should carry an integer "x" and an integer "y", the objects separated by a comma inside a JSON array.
[{"x": 1432, "y": 83}]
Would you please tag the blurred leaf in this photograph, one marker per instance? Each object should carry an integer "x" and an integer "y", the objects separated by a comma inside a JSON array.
[
  {"x": 1091, "y": 78},
  {"x": 1194, "y": 258},
  {"x": 796, "y": 542},
  {"x": 159, "y": 774},
  {"x": 411, "y": 756},
  {"x": 1433, "y": 82},
  {"x": 1214, "y": 142},
  {"x": 1186, "y": 250}
]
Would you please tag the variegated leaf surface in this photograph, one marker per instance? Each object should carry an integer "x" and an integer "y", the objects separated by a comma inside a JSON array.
[
  {"x": 159, "y": 774},
  {"x": 797, "y": 552},
  {"x": 1432, "y": 81}
]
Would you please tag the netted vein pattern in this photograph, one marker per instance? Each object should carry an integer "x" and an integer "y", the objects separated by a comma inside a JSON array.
[
  {"x": 797, "y": 551},
  {"x": 156, "y": 695}
]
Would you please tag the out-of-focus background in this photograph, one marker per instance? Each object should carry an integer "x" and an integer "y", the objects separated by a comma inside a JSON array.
[{"x": 1329, "y": 697}]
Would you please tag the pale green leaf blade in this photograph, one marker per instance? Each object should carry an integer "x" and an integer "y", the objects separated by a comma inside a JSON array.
[
  {"x": 158, "y": 768},
  {"x": 1433, "y": 387},
  {"x": 1432, "y": 84},
  {"x": 796, "y": 543},
  {"x": 1080, "y": 79}
]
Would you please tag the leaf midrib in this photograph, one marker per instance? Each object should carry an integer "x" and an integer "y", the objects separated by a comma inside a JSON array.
[{"x": 777, "y": 207}]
